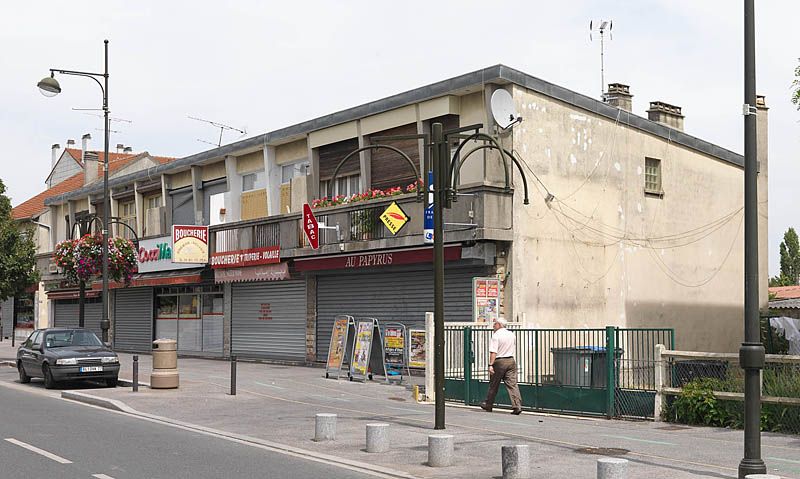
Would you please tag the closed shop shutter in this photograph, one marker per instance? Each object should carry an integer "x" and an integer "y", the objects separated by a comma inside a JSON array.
[
  {"x": 399, "y": 297},
  {"x": 269, "y": 320},
  {"x": 133, "y": 319},
  {"x": 7, "y": 317},
  {"x": 66, "y": 314}
]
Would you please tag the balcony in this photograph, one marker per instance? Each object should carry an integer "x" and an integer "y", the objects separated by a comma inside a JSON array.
[{"x": 360, "y": 228}]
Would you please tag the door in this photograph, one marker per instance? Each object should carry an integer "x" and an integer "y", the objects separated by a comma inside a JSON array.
[
  {"x": 269, "y": 320},
  {"x": 133, "y": 319}
]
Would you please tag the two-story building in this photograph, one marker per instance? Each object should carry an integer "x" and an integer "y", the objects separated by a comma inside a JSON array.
[{"x": 632, "y": 222}]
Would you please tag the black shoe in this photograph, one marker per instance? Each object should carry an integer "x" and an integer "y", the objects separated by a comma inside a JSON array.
[
  {"x": 516, "y": 412},
  {"x": 486, "y": 407}
]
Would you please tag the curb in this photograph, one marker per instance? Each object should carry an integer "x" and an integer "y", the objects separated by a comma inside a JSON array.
[
  {"x": 120, "y": 406},
  {"x": 9, "y": 363},
  {"x": 128, "y": 383}
]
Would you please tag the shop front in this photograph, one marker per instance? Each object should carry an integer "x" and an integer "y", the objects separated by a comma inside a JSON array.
[
  {"x": 391, "y": 286},
  {"x": 17, "y": 316}
]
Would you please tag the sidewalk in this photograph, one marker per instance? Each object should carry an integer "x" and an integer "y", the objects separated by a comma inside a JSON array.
[{"x": 277, "y": 403}]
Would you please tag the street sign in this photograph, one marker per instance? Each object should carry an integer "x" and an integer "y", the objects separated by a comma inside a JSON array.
[
  {"x": 428, "y": 223},
  {"x": 310, "y": 226},
  {"x": 394, "y": 218}
]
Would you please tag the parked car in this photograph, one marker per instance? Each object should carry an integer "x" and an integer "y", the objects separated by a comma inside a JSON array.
[{"x": 59, "y": 354}]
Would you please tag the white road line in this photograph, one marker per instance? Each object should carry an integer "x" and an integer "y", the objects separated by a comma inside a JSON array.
[
  {"x": 328, "y": 397},
  {"x": 648, "y": 441},
  {"x": 416, "y": 411},
  {"x": 268, "y": 385},
  {"x": 783, "y": 460},
  {"x": 35, "y": 449},
  {"x": 102, "y": 476}
]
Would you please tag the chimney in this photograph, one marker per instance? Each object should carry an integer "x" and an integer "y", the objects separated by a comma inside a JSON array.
[
  {"x": 619, "y": 95},
  {"x": 127, "y": 149},
  {"x": 56, "y": 150},
  {"x": 90, "y": 165},
  {"x": 70, "y": 143},
  {"x": 666, "y": 114},
  {"x": 85, "y": 146},
  {"x": 120, "y": 146}
]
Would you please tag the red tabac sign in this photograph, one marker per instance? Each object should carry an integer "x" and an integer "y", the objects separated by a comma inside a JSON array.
[
  {"x": 375, "y": 260},
  {"x": 246, "y": 257},
  {"x": 310, "y": 226}
]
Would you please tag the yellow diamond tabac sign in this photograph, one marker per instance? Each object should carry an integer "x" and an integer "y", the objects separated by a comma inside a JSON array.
[{"x": 394, "y": 218}]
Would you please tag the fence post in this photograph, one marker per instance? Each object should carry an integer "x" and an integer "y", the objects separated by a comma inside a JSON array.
[
  {"x": 467, "y": 336},
  {"x": 658, "y": 402},
  {"x": 536, "y": 357},
  {"x": 611, "y": 383}
]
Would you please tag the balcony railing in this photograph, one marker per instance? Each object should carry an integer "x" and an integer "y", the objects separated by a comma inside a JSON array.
[{"x": 482, "y": 213}]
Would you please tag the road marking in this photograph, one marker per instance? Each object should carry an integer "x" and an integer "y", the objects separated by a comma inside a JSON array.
[
  {"x": 416, "y": 411},
  {"x": 329, "y": 397},
  {"x": 35, "y": 449},
  {"x": 268, "y": 385},
  {"x": 648, "y": 441},
  {"x": 102, "y": 476},
  {"x": 783, "y": 460}
]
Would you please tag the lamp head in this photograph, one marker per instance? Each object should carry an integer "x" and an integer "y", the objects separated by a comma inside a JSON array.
[{"x": 49, "y": 86}]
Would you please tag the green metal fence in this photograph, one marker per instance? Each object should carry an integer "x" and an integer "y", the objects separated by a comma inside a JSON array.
[{"x": 608, "y": 371}]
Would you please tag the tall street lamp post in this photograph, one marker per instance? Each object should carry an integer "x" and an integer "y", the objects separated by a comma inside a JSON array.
[{"x": 49, "y": 87}]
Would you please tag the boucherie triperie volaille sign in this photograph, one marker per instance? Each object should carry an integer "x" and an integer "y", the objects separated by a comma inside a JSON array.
[{"x": 246, "y": 257}]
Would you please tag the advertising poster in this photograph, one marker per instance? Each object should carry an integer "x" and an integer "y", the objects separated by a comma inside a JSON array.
[
  {"x": 394, "y": 346},
  {"x": 362, "y": 348},
  {"x": 416, "y": 354},
  {"x": 189, "y": 244},
  {"x": 486, "y": 299},
  {"x": 338, "y": 340}
]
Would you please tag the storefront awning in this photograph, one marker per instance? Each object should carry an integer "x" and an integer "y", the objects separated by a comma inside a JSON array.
[
  {"x": 71, "y": 294},
  {"x": 163, "y": 278},
  {"x": 266, "y": 272},
  {"x": 375, "y": 259}
]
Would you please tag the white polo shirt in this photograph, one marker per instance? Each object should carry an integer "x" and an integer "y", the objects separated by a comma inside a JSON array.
[{"x": 504, "y": 343}]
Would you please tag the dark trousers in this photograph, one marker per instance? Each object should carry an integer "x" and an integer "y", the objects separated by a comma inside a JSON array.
[{"x": 505, "y": 370}]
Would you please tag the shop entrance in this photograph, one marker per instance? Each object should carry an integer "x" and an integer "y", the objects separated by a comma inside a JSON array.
[{"x": 191, "y": 315}]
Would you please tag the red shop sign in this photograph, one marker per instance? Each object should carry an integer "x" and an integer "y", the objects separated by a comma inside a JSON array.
[
  {"x": 375, "y": 259},
  {"x": 246, "y": 257}
]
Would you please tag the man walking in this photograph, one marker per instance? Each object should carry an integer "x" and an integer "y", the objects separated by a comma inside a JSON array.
[{"x": 502, "y": 366}]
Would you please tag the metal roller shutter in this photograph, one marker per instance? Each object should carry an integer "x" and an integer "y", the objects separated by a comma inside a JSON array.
[
  {"x": 401, "y": 297},
  {"x": 66, "y": 314},
  {"x": 7, "y": 316},
  {"x": 269, "y": 320},
  {"x": 133, "y": 319}
]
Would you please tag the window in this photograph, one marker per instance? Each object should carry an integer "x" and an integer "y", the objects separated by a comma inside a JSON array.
[
  {"x": 345, "y": 185},
  {"x": 652, "y": 177},
  {"x": 35, "y": 341},
  {"x": 293, "y": 171},
  {"x": 152, "y": 202},
  {"x": 127, "y": 215},
  {"x": 254, "y": 181}
]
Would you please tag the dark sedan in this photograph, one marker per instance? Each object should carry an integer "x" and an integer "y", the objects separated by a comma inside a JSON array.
[{"x": 64, "y": 355}]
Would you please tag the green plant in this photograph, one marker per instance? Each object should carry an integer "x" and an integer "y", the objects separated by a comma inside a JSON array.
[{"x": 697, "y": 405}]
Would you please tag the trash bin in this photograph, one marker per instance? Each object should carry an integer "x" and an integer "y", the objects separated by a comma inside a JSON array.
[
  {"x": 165, "y": 364},
  {"x": 583, "y": 366}
]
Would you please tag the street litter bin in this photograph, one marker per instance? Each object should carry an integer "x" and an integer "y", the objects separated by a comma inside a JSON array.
[
  {"x": 165, "y": 364},
  {"x": 583, "y": 366}
]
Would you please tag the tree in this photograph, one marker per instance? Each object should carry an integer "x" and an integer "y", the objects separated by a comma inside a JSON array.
[
  {"x": 17, "y": 251},
  {"x": 790, "y": 260},
  {"x": 796, "y": 87}
]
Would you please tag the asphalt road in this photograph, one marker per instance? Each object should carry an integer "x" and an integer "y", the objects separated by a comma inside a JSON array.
[{"x": 44, "y": 437}]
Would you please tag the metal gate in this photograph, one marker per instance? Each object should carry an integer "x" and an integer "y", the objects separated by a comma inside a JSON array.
[
  {"x": 268, "y": 320},
  {"x": 608, "y": 372},
  {"x": 66, "y": 314},
  {"x": 7, "y": 317},
  {"x": 391, "y": 296},
  {"x": 133, "y": 319}
]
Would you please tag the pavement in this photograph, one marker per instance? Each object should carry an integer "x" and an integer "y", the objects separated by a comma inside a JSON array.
[{"x": 276, "y": 405}]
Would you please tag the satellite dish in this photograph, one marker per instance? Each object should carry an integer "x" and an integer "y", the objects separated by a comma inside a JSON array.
[{"x": 503, "y": 109}]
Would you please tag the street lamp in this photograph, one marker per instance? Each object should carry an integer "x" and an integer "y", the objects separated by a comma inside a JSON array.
[{"x": 50, "y": 87}]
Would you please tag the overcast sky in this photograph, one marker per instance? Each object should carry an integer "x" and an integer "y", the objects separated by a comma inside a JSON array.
[{"x": 261, "y": 65}]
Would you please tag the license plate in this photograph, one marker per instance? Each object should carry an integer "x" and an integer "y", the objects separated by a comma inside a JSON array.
[{"x": 91, "y": 369}]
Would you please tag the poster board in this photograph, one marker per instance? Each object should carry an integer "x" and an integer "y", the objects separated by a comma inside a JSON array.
[
  {"x": 416, "y": 348},
  {"x": 367, "y": 350},
  {"x": 485, "y": 299},
  {"x": 337, "y": 351},
  {"x": 395, "y": 351}
]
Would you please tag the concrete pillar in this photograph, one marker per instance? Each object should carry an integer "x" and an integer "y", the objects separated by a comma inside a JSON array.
[
  {"x": 377, "y": 437},
  {"x": 325, "y": 427},
  {"x": 273, "y": 173},
  {"x": 233, "y": 197},
  {"x": 440, "y": 450},
  {"x": 612, "y": 468},
  {"x": 365, "y": 161},
  {"x": 138, "y": 199},
  {"x": 516, "y": 462},
  {"x": 197, "y": 194}
]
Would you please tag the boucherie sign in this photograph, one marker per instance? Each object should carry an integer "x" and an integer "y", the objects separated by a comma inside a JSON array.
[
  {"x": 156, "y": 255},
  {"x": 246, "y": 257}
]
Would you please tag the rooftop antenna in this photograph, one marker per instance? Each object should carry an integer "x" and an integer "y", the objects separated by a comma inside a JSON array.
[
  {"x": 111, "y": 118},
  {"x": 222, "y": 128},
  {"x": 603, "y": 26}
]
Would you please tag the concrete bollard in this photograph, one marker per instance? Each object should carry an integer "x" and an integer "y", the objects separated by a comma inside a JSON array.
[
  {"x": 325, "y": 427},
  {"x": 377, "y": 437},
  {"x": 761, "y": 476},
  {"x": 440, "y": 450},
  {"x": 612, "y": 468},
  {"x": 516, "y": 462}
]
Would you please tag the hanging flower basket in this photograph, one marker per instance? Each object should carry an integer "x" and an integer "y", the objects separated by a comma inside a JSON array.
[{"x": 82, "y": 259}]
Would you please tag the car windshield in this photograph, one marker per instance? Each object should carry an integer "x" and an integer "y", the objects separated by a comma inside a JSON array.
[{"x": 62, "y": 339}]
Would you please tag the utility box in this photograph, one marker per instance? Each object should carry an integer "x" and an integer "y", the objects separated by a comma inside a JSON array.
[
  {"x": 165, "y": 364},
  {"x": 582, "y": 366}
]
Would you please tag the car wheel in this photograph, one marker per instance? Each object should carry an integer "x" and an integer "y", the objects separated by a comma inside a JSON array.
[
  {"x": 112, "y": 382},
  {"x": 49, "y": 382},
  {"x": 23, "y": 376}
]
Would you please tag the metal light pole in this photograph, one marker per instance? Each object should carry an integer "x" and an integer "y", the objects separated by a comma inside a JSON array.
[
  {"x": 751, "y": 354},
  {"x": 50, "y": 87},
  {"x": 439, "y": 192}
]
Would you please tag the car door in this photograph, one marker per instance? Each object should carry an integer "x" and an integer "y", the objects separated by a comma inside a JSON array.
[
  {"x": 25, "y": 355},
  {"x": 37, "y": 356}
]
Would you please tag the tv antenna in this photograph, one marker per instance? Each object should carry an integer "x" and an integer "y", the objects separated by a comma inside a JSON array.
[
  {"x": 603, "y": 26},
  {"x": 222, "y": 128},
  {"x": 111, "y": 118}
]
